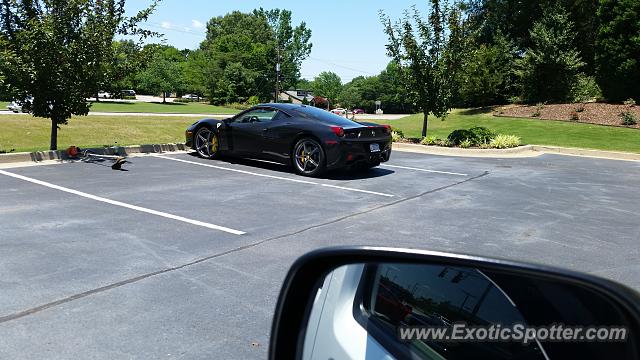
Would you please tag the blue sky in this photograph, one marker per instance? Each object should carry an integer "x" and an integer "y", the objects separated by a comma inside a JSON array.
[{"x": 347, "y": 35}]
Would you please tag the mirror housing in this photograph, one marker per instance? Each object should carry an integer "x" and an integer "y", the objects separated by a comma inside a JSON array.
[{"x": 308, "y": 273}]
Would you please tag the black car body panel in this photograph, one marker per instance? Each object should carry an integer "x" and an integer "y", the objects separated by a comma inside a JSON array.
[{"x": 274, "y": 139}]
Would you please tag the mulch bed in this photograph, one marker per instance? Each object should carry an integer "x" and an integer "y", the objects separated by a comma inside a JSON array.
[{"x": 592, "y": 113}]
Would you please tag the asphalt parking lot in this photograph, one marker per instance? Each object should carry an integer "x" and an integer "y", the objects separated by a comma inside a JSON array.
[{"x": 180, "y": 257}]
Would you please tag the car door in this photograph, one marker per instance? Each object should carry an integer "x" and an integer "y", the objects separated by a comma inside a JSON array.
[{"x": 247, "y": 130}]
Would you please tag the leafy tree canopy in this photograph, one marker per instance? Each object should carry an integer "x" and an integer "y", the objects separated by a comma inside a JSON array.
[
  {"x": 618, "y": 49},
  {"x": 59, "y": 52}
]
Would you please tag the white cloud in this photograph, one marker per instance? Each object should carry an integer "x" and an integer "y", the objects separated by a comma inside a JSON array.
[
  {"x": 166, "y": 25},
  {"x": 197, "y": 24}
]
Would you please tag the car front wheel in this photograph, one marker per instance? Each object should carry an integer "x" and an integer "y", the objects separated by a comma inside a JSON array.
[
  {"x": 309, "y": 158},
  {"x": 206, "y": 143}
]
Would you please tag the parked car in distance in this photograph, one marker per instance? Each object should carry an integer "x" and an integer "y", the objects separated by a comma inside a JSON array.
[
  {"x": 191, "y": 97},
  {"x": 128, "y": 93},
  {"x": 18, "y": 106},
  {"x": 104, "y": 95},
  {"x": 339, "y": 111},
  {"x": 358, "y": 111}
]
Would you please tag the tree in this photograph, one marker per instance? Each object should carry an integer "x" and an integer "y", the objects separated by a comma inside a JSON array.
[
  {"x": 515, "y": 18},
  {"x": 549, "y": 68},
  {"x": 487, "y": 75},
  {"x": 291, "y": 44},
  {"x": 56, "y": 51},
  {"x": 303, "y": 84},
  {"x": 125, "y": 64},
  {"x": 350, "y": 97},
  {"x": 195, "y": 78},
  {"x": 421, "y": 53},
  {"x": 251, "y": 44},
  {"x": 618, "y": 49},
  {"x": 163, "y": 75},
  {"x": 327, "y": 84}
]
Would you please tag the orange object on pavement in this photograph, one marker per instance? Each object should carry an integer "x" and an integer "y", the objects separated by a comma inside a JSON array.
[{"x": 73, "y": 151}]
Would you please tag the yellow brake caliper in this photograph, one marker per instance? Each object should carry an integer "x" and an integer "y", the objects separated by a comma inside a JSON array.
[{"x": 214, "y": 144}]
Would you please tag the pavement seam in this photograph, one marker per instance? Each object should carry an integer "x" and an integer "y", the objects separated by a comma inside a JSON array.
[{"x": 118, "y": 284}]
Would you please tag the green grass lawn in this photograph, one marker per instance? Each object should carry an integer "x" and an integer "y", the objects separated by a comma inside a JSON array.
[
  {"x": 26, "y": 133},
  {"x": 532, "y": 131},
  {"x": 3, "y": 105},
  {"x": 168, "y": 108}
]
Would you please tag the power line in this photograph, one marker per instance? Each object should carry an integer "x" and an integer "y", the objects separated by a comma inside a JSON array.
[{"x": 341, "y": 66}]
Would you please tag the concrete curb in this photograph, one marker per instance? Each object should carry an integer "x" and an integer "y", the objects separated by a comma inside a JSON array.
[
  {"x": 520, "y": 151},
  {"x": 39, "y": 156}
]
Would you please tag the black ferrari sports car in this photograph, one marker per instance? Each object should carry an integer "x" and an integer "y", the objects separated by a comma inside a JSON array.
[{"x": 312, "y": 140}]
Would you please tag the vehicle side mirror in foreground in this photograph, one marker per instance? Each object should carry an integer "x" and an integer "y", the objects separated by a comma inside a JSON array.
[{"x": 380, "y": 303}]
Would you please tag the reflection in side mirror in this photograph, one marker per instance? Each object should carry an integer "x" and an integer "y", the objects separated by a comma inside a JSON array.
[{"x": 375, "y": 304}]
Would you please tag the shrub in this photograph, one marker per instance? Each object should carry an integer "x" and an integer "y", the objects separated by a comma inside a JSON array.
[
  {"x": 481, "y": 135},
  {"x": 253, "y": 100},
  {"x": 502, "y": 141},
  {"x": 458, "y": 136},
  {"x": 477, "y": 135},
  {"x": 180, "y": 100},
  {"x": 238, "y": 106},
  {"x": 465, "y": 144},
  {"x": 628, "y": 118},
  {"x": 398, "y": 131},
  {"x": 429, "y": 140},
  {"x": 396, "y": 136},
  {"x": 539, "y": 108},
  {"x": 585, "y": 89},
  {"x": 630, "y": 102},
  {"x": 443, "y": 142},
  {"x": 574, "y": 116}
]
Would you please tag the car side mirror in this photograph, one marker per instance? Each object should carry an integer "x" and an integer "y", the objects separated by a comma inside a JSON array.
[{"x": 377, "y": 303}]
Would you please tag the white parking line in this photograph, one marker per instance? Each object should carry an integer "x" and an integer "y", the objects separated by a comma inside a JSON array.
[
  {"x": 125, "y": 205},
  {"x": 425, "y": 170},
  {"x": 358, "y": 190},
  {"x": 272, "y": 176}
]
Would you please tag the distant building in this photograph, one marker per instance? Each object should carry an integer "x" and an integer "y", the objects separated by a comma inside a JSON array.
[{"x": 296, "y": 96}]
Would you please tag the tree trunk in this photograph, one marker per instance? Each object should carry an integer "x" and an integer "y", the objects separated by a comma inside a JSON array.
[
  {"x": 164, "y": 97},
  {"x": 425, "y": 123},
  {"x": 54, "y": 135}
]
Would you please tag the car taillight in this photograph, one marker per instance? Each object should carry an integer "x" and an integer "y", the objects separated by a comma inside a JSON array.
[
  {"x": 337, "y": 130},
  {"x": 387, "y": 129}
]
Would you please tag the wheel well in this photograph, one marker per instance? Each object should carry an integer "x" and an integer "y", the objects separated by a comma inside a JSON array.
[{"x": 302, "y": 136}]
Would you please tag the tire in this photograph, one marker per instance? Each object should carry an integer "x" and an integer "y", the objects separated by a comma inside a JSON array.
[
  {"x": 308, "y": 158},
  {"x": 205, "y": 142}
]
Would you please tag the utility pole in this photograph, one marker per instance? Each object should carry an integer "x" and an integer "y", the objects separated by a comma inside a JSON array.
[
  {"x": 277, "y": 80},
  {"x": 277, "y": 95}
]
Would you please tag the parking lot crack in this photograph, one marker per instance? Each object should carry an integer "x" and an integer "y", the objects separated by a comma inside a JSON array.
[{"x": 53, "y": 304}]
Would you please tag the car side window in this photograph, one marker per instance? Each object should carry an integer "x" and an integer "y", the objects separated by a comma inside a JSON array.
[
  {"x": 397, "y": 295},
  {"x": 257, "y": 116}
]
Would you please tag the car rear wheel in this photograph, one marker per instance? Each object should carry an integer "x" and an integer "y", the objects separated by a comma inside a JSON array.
[
  {"x": 206, "y": 143},
  {"x": 308, "y": 158}
]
